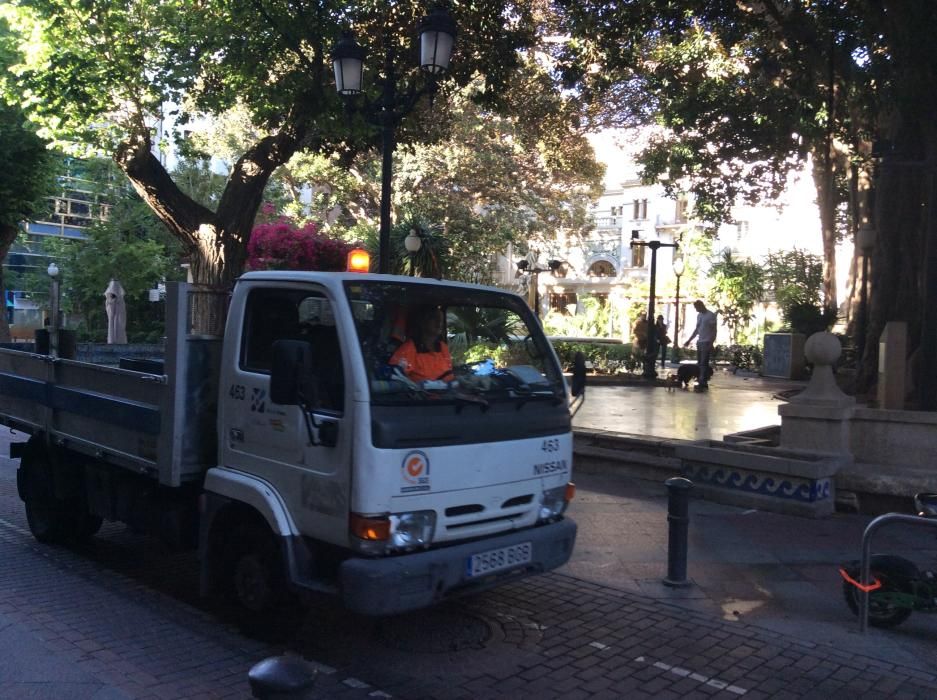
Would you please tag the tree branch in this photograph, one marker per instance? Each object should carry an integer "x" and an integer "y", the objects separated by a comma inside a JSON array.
[
  {"x": 292, "y": 41},
  {"x": 180, "y": 213}
]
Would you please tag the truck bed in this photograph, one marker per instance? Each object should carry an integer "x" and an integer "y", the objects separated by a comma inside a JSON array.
[{"x": 161, "y": 425}]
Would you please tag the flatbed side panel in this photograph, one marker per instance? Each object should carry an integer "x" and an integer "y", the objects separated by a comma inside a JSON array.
[
  {"x": 23, "y": 388},
  {"x": 103, "y": 411}
]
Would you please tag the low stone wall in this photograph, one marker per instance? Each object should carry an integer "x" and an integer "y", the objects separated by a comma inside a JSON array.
[
  {"x": 883, "y": 436},
  {"x": 103, "y": 354},
  {"x": 768, "y": 478},
  {"x": 100, "y": 354},
  {"x": 740, "y": 474}
]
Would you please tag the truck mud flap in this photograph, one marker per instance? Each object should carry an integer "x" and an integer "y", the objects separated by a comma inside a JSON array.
[{"x": 17, "y": 450}]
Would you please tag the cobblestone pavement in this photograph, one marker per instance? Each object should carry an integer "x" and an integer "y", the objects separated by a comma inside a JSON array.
[{"x": 119, "y": 620}]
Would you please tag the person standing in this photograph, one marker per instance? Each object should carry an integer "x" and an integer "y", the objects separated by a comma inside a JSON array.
[
  {"x": 639, "y": 332},
  {"x": 705, "y": 334},
  {"x": 663, "y": 340}
]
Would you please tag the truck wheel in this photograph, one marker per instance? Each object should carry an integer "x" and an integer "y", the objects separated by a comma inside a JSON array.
[
  {"x": 89, "y": 525},
  {"x": 257, "y": 580},
  {"x": 52, "y": 520},
  {"x": 48, "y": 521}
]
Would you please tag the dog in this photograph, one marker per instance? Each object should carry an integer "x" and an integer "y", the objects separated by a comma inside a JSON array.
[
  {"x": 672, "y": 382},
  {"x": 690, "y": 372}
]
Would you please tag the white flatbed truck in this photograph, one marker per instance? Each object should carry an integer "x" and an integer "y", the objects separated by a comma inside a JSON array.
[{"x": 295, "y": 458}]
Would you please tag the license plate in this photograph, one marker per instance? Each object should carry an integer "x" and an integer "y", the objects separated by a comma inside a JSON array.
[{"x": 497, "y": 559}]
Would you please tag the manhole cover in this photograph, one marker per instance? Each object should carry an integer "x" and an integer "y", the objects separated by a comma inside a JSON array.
[{"x": 434, "y": 631}]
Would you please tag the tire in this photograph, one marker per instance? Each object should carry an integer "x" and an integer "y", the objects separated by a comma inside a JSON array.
[
  {"x": 89, "y": 526},
  {"x": 48, "y": 520},
  {"x": 53, "y": 520},
  {"x": 881, "y": 613},
  {"x": 256, "y": 578}
]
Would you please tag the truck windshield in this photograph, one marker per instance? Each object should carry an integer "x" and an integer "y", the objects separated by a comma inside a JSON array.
[{"x": 436, "y": 343}]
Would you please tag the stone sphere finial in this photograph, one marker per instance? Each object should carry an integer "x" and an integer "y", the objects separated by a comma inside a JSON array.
[{"x": 823, "y": 348}]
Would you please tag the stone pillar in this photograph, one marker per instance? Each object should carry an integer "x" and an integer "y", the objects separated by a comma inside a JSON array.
[
  {"x": 892, "y": 364},
  {"x": 818, "y": 418}
]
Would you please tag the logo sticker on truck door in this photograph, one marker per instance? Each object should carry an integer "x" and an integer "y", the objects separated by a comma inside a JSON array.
[
  {"x": 414, "y": 472},
  {"x": 258, "y": 400}
]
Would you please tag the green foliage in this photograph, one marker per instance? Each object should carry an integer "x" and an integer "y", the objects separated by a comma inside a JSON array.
[
  {"x": 433, "y": 259},
  {"x": 746, "y": 357},
  {"x": 98, "y": 76},
  {"x": 796, "y": 277},
  {"x": 597, "y": 319},
  {"x": 29, "y": 175},
  {"x": 482, "y": 328},
  {"x": 131, "y": 247},
  {"x": 737, "y": 286},
  {"x": 604, "y": 358},
  {"x": 808, "y": 318},
  {"x": 499, "y": 179},
  {"x": 503, "y": 355},
  {"x": 29, "y": 172},
  {"x": 742, "y": 91}
]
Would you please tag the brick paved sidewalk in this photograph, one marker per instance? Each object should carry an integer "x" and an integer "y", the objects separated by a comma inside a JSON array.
[
  {"x": 72, "y": 629},
  {"x": 557, "y": 636},
  {"x": 552, "y": 636}
]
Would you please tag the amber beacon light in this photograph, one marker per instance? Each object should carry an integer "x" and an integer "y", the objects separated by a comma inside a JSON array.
[{"x": 359, "y": 260}]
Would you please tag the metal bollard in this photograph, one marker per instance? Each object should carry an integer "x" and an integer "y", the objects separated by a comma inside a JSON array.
[
  {"x": 678, "y": 518},
  {"x": 282, "y": 678}
]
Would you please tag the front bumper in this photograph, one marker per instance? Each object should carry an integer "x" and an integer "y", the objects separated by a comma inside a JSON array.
[{"x": 412, "y": 581}]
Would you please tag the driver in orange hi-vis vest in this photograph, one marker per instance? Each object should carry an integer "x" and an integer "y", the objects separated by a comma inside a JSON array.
[{"x": 425, "y": 356}]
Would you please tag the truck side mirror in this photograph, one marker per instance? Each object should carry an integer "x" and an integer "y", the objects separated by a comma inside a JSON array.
[{"x": 291, "y": 378}]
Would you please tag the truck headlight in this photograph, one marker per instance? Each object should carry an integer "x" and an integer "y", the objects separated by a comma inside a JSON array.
[
  {"x": 554, "y": 502},
  {"x": 412, "y": 529}
]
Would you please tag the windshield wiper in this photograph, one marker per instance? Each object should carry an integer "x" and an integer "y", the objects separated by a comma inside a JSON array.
[
  {"x": 462, "y": 400},
  {"x": 555, "y": 398}
]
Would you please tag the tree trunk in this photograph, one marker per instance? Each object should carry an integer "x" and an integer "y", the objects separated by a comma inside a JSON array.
[
  {"x": 216, "y": 242},
  {"x": 8, "y": 234},
  {"x": 904, "y": 260},
  {"x": 824, "y": 180},
  {"x": 897, "y": 261}
]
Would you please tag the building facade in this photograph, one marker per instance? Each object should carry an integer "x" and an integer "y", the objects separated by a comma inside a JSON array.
[{"x": 69, "y": 213}]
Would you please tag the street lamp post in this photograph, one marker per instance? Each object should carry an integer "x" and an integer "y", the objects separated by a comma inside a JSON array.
[
  {"x": 678, "y": 270},
  {"x": 650, "y": 357},
  {"x": 53, "y": 272},
  {"x": 413, "y": 242},
  {"x": 437, "y": 35},
  {"x": 525, "y": 267}
]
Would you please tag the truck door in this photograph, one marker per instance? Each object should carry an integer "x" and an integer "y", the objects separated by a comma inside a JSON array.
[{"x": 272, "y": 441}]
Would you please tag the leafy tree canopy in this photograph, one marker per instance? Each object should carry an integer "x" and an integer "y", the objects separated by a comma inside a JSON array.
[
  {"x": 29, "y": 173},
  {"x": 105, "y": 74}
]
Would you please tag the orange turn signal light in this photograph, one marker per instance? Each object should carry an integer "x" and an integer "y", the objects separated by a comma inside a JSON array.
[
  {"x": 570, "y": 491},
  {"x": 370, "y": 528},
  {"x": 359, "y": 260}
]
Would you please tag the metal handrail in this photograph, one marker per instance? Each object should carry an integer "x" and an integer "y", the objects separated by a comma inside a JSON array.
[{"x": 864, "y": 565}]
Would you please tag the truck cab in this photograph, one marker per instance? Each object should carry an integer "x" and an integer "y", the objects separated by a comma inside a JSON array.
[{"x": 354, "y": 477}]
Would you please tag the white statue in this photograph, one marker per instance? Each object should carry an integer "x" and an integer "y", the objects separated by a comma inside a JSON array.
[{"x": 116, "y": 313}]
